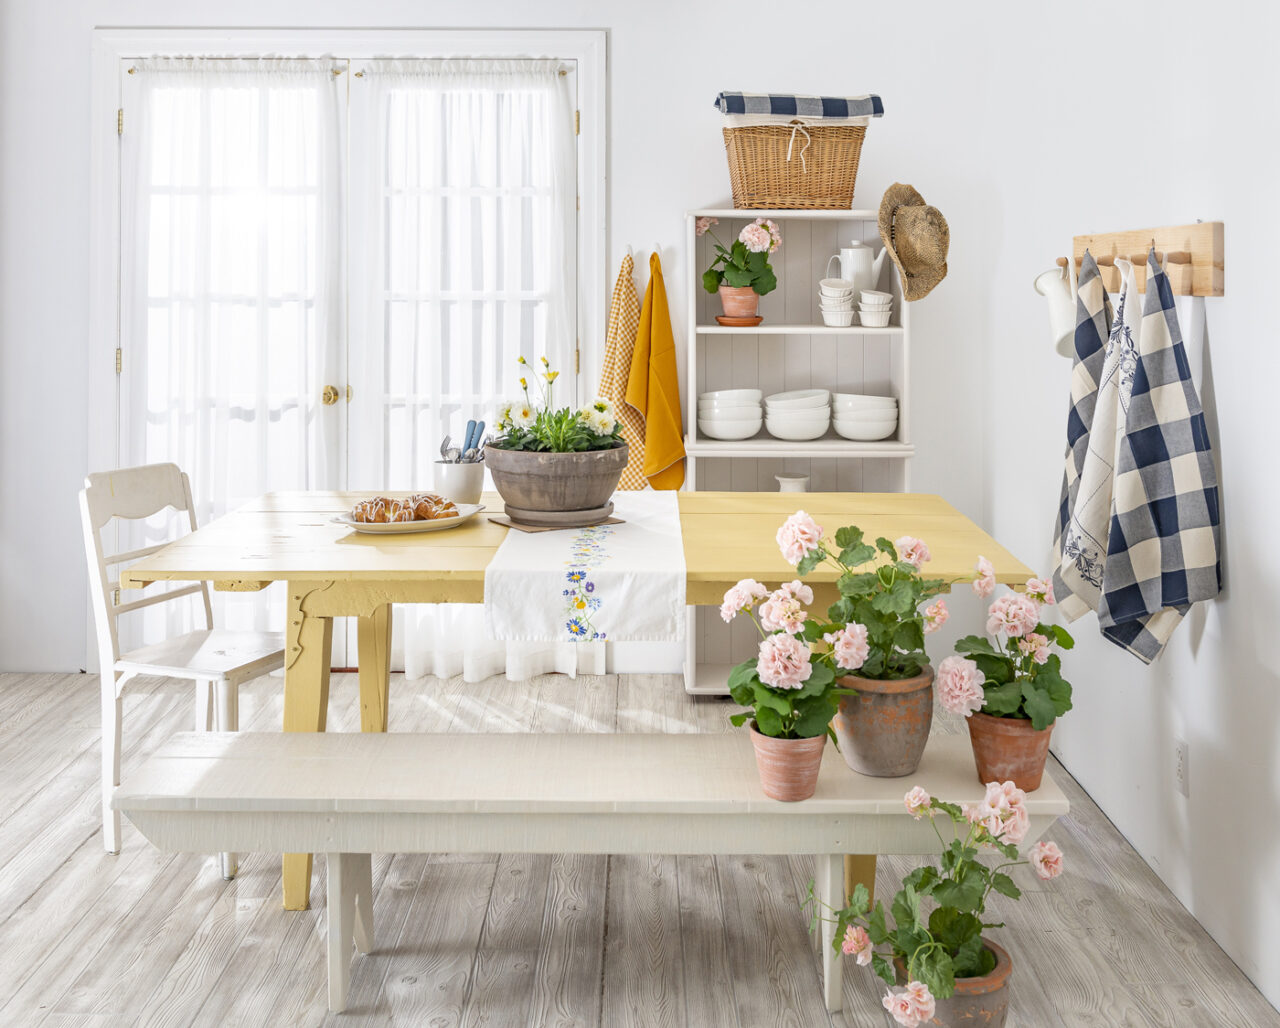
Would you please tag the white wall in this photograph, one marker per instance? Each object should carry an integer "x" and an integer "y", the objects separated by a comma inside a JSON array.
[{"x": 1005, "y": 116}]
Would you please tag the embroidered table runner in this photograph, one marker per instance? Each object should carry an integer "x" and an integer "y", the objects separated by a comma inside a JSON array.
[{"x": 624, "y": 583}]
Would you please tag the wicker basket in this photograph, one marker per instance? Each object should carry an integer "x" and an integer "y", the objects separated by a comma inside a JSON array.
[{"x": 763, "y": 177}]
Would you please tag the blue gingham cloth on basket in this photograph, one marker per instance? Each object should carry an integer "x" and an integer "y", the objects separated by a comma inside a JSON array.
[
  {"x": 1162, "y": 546},
  {"x": 869, "y": 106}
]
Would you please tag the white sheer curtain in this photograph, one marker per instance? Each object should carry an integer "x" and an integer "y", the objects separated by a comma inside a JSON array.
[
  {"x": 232, "y": 298},
  {"x": 471, "y": 229}
]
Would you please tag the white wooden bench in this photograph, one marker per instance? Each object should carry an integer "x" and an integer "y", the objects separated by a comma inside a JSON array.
[{"x": 349, "y": 795}]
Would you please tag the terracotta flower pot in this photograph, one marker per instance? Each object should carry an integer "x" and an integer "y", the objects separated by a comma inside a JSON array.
[
  {"x": 739, "y": 301},
  {"x": 977, "y": 1001},
  {"x": 788, "y": 767},
  {"x": 882, "y": 731},
  {"x": 1008, "y": 749},
  {"x": 556, "y": 481}
]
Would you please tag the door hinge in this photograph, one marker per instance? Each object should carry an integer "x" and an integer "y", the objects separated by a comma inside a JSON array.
[
  {"x": 120, "y": 121},
  {"x": 348, "y": 394},
  {"x": 115, "y": 597},
  {"x": 119, "y": 360},
  {"x": 577, "y": 122},
  {"x": 577, "y": 362}
]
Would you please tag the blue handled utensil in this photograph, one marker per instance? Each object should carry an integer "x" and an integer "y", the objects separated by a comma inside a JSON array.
[
  {"x": 475, "y": 439},
  {"x": 466, "y": 439}
]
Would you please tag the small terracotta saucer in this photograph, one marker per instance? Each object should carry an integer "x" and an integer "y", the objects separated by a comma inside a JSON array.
[{"x": 729, "y": 322}]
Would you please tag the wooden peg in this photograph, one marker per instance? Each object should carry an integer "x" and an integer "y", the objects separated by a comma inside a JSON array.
[
  {"x": 1179, "y": 256},
  {"x": 1061, "y": 262}
]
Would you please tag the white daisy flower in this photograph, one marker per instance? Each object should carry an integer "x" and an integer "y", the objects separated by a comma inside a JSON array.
[{"x": 522, "y": 415}]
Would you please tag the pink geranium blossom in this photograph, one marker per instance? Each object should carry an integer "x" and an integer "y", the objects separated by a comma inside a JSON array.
[
  {"x": 984, "y": 582},
  {"x": 935, "y": 616},
  {"x": 1003, "y": 812},
  {"x": 1013, "y": 614},
  {"x": 959, "y": 685},
  {"x": 910, "y": 1006},
  {"x": 774, "y": 232},
  {"x": 917, "y": 802},
  {"x": 782, "y": 612},
  {"x": 798, "y": 590},
  {"x": 798, "y": 537},
  {"x": 857, "y": 943},
  {"x": 849, "y": 645},
  {"x": 702, "y": 224},
  {"x": 741, "y": 597},
  {"x": 914, "y": 551},
  {"x": 1040, "y": 590},
  {"x": 756, "y": 238},
  {"x": 784, "y": 662},
  {"x": 1046, "y": 859},
  {"x": 922, "y": 999},
  {"x": 1036, "y": 646}
]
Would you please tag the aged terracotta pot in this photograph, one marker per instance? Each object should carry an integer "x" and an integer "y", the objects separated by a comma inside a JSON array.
[
  {"x": 1008, "y": 749},
  {"x": 788, "y": 767},
  {"x": 739, "y": 301},
  {"x": 556, "y": 481},
  {"x": 882, "y": 730},
  {"x": 982, "y": 1001}
]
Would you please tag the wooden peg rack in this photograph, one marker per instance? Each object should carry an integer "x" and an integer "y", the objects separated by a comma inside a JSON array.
[{"x": 1194, "y": 256}]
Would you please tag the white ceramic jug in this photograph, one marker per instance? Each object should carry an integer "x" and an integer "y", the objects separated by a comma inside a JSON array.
[
  {"x": 1058, "y": 286},
  {"x": 858, "y": 266}
]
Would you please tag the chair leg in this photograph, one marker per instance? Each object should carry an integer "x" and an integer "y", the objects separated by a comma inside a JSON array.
[
  {"x": 204, "y": 705},
  {"x": 227, "y": 709},
  {"x": 111, "y": 741}
]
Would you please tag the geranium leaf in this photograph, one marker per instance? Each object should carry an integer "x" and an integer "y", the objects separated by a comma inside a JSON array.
[
  {"x": 976, "y": 644},
  {"x": 886, "y": 547},
  {"x": 1038, "y": 705},
  {"x": 1004, "y": 885},
  {"x": 1002, "y": 699},
  {"x": 848, "y": 536}
]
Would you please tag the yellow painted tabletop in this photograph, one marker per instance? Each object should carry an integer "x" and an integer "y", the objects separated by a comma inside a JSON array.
[{"x": 727, "y": 536}]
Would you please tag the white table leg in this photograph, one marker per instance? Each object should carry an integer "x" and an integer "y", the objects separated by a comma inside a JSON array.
[
  {"x": 830, "y": 889},
  {"x": 227, "y": 710},
  {"x": 350, "y": 919}
]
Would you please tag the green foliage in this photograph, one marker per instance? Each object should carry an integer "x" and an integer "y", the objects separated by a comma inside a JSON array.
[
  {"x": 738, "y": 266},
  {"x": 552, "y": 429},
  {"x": 1014, "y": 685},
  {"x": 946, "y": 943},
  {"x": 802, "y": 713}
]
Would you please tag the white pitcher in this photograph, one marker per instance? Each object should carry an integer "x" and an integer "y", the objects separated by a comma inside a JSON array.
[
  {"x": 1058, "y": 286},
  {"x": 858, "y": 266}
]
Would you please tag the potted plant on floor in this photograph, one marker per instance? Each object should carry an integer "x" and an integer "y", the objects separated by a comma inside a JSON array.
[
  {"x": 556, "y": 466},
  {"x": 1010, "y": 687},
  {"x": 790, "y": 689},
  {"x": 940, "y": 968},
  {"x": 886, "y": 712},
  {"x": 741, "y": 273}
]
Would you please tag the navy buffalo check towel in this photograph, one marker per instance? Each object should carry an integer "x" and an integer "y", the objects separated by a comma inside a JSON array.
[
  {"x": 868, "y": 106},
  {"x": 1140, "y": 542}
]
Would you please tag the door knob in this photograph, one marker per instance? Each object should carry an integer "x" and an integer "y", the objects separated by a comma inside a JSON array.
[{"x": 330, "y": 396}]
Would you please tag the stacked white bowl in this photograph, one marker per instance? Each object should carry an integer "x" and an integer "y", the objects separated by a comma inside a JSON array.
[
  {"x": 874, "y": 308},
  {"x": 865, "y": 418},
  {"x": 835, "y": 301},
  {"x": 798, "y": 415},
  {"x": 730, "y": 413}
]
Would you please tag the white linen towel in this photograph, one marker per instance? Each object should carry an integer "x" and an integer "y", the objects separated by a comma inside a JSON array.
[{"x": 619, "y": 583}]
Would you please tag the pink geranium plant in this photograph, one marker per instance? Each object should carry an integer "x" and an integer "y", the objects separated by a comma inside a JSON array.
[
  {"x": 1014, "y": 673},
  {"x": 934, "y": 926},
  {"x": 746, "y": 261},
  {"x": 790, "y": 687}
]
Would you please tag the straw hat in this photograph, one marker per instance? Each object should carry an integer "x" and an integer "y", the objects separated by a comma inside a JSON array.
[{"x": 917, "y": 238}]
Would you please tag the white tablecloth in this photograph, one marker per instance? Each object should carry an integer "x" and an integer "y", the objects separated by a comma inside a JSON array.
[{"x": 612, "y": 582}]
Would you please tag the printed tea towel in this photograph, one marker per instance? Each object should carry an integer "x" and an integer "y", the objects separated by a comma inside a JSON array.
[
  {"x": 1157, "y": 551},
  {"x": 653, "y": 387},
  {"x": 620, "y": 583},
  {"x": 620, "y": 342}
]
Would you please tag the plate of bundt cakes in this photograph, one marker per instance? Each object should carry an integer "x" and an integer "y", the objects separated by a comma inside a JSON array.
[{"x": 421, "y": 512}]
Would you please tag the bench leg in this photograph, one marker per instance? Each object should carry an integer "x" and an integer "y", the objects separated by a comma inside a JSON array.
[
  {"x": 350, "y": 919},
  {"x": 309, "y": 644},
  {"x": 373, "y": 638},
  {"x": 830, "y": 890},
  {"x": 227, "y": 708}
]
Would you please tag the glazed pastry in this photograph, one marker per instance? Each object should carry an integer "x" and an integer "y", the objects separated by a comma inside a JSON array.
[{"x": 372, "y": 511}]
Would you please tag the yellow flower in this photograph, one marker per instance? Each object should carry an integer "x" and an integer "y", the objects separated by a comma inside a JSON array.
[
  {"x": 552, "y": 376},
  {"x": 581, "y": 605},
  {"x": 521, "y": 360},
  {"x": 545, "y": 362},
  {"x": 524, "y": 383}
]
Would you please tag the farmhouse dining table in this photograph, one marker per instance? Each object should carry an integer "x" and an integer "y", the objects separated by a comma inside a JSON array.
[{"x": 332, "y": 571}]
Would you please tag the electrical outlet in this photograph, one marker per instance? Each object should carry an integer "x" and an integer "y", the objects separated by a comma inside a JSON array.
[{"x": 1181, "y": 767}]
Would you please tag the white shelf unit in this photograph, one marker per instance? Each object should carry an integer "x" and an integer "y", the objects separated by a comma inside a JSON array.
[{"x": 790, "y": 349}]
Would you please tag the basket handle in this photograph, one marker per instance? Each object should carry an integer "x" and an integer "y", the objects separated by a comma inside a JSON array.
[{"x": 797, "y": 126}]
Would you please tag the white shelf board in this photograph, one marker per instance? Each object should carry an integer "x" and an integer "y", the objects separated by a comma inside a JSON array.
[
  {"x": 796, "y": 330},
  {"x": 709, "y": 680},
  {"x": 829, "y": 445},
  {"x": 750, "y": 214}
]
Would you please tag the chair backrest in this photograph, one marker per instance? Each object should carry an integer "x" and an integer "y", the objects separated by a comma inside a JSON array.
[{"x": 130, "y": 493}]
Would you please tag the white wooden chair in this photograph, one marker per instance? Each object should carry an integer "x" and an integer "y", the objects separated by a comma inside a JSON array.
[{"x": 217, "y": 661}]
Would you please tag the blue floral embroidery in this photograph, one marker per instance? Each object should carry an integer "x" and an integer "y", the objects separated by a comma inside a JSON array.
[{"x": 586, "y": 552}]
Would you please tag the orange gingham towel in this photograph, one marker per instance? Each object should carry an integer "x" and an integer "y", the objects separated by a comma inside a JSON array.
[{"x": 620, "y": 341}]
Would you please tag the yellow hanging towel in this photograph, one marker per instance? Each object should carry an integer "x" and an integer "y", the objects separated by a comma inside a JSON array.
[
  {"x": 653, "y": 387},
  {"x": 620, "y": 341}
]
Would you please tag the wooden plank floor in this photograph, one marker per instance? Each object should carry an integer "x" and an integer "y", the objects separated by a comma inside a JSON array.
[{"x": 510, "y": 940}]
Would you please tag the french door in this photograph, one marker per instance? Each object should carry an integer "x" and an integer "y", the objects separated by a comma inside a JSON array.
[{"x": 328, "y": 265}]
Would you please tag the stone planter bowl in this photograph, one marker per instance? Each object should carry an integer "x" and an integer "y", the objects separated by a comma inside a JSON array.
[{"x": 556, "y": 481}]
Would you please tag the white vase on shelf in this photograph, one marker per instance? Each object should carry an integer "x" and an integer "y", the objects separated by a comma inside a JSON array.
[{"x": 792, "y": 483}]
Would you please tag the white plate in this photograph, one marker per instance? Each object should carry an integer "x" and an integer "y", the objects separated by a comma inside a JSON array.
[
  {"x": 857, "y": 398},
  {"x": 738, "y": 395},
  {"x": 798, "y": 399},
  {"x": 729, "y": 410},
  {"x": 866, "y": 415},
  {"x": 466, "y": 511}
]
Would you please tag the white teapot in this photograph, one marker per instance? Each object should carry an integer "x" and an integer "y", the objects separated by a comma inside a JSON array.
[{"x": 858, "y": 266}]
